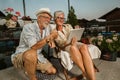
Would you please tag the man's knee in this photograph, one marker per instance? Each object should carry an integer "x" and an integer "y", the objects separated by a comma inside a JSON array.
[
  {"x": 30, "y": 55},
  {"x": 84, "y": 47}
]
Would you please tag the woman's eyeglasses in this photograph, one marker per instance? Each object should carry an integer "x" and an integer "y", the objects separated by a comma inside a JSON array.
[{"x": 61, "y": 18}]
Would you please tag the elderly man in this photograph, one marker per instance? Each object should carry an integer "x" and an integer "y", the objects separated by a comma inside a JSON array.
[{"x": 33, "y": 37}]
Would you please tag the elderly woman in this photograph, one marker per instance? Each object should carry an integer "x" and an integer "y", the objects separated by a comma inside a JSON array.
[{"x": 78, "y": 52}]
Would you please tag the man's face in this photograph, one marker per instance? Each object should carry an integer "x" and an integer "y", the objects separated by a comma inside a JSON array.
[{"x": 44, "y": 20}]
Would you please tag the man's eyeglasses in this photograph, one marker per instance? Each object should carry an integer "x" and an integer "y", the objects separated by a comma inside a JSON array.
[
  {"x": 46, "y": 17},
  {"x": 60, "y": 18}
]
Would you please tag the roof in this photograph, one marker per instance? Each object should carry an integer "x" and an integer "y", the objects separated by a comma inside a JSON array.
[
  {"x": 2, "y": 14},
  {"x": 112, "y": 11}
]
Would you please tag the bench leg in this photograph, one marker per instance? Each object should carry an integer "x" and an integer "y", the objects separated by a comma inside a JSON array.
[
  {"x": 96, "y": 69},
  {"x": 66, "y": 75}
]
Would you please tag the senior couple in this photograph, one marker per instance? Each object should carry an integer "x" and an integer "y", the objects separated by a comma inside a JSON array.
[{"x": 35, "y": 35}]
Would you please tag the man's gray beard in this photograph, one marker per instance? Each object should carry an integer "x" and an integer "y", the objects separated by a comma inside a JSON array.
[{"x": 45, "y": 25}]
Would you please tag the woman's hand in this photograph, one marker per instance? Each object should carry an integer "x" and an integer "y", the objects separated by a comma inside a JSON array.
[{"x": 73, "y": 41}]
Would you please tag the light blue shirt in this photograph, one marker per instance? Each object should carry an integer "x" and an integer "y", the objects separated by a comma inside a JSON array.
[{"x": 30, "y": 35}]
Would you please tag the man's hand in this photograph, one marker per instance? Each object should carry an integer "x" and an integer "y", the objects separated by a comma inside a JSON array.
[
  {"x": 51, "y": 37},
  {"x": 54, "y": 34}
]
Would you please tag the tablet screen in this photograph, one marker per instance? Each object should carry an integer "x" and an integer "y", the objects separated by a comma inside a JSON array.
[{"x": 75, "y": 33}]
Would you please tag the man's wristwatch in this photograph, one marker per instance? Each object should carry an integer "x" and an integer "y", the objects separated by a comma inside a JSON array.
[{"x": 47, "y": 40}]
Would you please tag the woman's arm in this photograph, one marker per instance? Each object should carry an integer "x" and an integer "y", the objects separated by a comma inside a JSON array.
[{"x": 73, "y": 42}]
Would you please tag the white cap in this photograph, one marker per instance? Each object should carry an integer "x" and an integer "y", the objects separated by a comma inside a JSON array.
[{"x": 43, "y": 10}]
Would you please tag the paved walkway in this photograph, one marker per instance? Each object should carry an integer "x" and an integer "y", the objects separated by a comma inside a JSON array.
[{"x": 108, "y": 71}]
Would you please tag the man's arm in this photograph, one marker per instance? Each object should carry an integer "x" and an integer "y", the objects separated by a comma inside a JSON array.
[
  {"x": 39, "y": 44},
  {"x": 47, "y": 39}
]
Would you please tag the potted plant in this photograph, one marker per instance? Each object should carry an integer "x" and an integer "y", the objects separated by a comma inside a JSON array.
[
  {"x": 109, "y": 45},
  {"x": 9, "y": 12}
]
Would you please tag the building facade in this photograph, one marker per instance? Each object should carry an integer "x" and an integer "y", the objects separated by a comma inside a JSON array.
[{"x": 112, "y": 20}]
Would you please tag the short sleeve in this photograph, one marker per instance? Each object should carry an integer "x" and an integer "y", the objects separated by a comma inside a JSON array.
[{"x": 29, "y": 36}]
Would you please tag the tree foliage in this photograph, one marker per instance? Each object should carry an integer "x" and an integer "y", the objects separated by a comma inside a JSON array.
[{"x": 72, "y": 18}]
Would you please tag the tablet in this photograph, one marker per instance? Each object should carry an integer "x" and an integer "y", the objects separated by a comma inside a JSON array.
[{"x": 76, "y": 33}]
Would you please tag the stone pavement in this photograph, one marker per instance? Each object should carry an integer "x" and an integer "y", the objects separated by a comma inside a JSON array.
[{"x": 109, "y": 70}]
